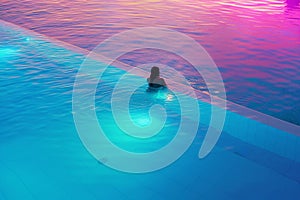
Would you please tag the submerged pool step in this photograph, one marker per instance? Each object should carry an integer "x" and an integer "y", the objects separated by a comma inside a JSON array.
[{"x": 262, "y": 135}]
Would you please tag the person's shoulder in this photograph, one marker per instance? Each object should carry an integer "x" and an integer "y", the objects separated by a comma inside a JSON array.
[{"x": 162, "y": 81}]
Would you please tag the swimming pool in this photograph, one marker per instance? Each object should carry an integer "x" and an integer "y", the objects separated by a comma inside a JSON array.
[
  {"x": 255, "y": 44},
  {"x": 42, "y": 157}
]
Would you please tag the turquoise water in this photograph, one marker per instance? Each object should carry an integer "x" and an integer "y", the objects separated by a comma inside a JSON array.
[{"x": 42, "y": 156}]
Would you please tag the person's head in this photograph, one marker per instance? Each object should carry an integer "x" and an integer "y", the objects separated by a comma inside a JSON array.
[{"x": 154, "y": 72}]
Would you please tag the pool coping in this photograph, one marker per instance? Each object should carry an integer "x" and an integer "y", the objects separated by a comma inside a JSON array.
[{"x": 230, "y": 106}]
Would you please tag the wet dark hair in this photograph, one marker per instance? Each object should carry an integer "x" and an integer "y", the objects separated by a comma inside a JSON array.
[{"x": 154, "y": 73}]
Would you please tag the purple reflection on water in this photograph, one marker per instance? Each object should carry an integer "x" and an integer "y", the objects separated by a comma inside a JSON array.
[{"x": 292, "y": 3}]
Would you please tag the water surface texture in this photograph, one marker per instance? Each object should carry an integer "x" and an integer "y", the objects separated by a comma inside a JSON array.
[
  {"x": 256, "y": 44},
  {"x": 42, "y": 156}
]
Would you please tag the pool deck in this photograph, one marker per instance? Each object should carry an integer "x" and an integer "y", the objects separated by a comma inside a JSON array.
[{"x": 69, "y": 172}]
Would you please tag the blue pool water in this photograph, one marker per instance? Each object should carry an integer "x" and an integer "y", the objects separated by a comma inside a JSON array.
[{"x": 42, "y": 156}]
